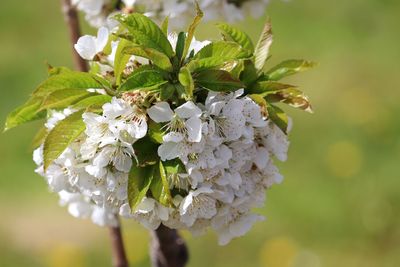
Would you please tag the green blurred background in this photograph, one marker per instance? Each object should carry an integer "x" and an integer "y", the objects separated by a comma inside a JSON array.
[{"x": 339, "y": 204}]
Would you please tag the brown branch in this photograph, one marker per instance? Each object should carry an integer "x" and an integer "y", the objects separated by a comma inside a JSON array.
[
  {"x": 72, "y": 20},
  {"x": 118, "y": 250},
  {"x": 168, "y": 249}
]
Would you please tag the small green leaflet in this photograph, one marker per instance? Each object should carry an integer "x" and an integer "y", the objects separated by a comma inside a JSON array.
[
  {"x": 217, "y": 80},
  {"x": 93, "y": 102},
  {"x": 232, "y": 33},
  {"x": 291, "y": 96},
  {"x": 25, "y": 113},
  {"x": 67, "y": 80},
  {"x": 186, "y": 79},
  {"x": 159, "y": 59},
  {"x": 160, "y": 187},
  {"x": 146, "y": 33},
  {"x": 224, "y": 50},
  {"x": 164, "y": 26},
  {"x": 64, "y": 98},
  {"x": 180, "y": 45},
  {"x": 139, "y": 181},
  {"x": 266, "y": 87},
  {"x": 216, "y": 55},
  {"x": 146, "y": 151},
  {"x": 61, "y": 136},
  {"x": 278, "y": 116},
  {"x": 289, "y": 67},
  {"x": 121, "y": 60},
  {"x": 167, "y": 91},
  {"x": 144, "y": 78},
  {"x": 39, "y": 137},
  {"x": 192, "y": 29},
  {"x": 262, "y": 49}
]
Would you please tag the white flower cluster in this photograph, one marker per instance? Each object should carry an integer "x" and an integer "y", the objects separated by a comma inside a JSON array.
[
  {"x": 226, "y": 146},
  {"x": 91, "y": 175},
  {"x": 179, "y": 11},
  {"x": 225, "y": 143}
]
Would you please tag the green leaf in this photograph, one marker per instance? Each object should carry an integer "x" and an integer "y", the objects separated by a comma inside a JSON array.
[
  {"x": 120, "y": 60},
  {"x": 139, "y": 181},
  {"x": 155, "y": 132},
  {"x": 266, "y": 87},
  {"x": 217, "y": 80},
  {"x": 25, "y": 113},
  {"x": 39, "y": 138},
  {"x": 160, "y": 187},
  {"x": 262, "y": 49},
  {"x": 236, "y": 35},
  {"x": 167, "y": 91},
  {"x": 207, "y": 63},
  {"x": 67, "y": 80},
  {"x": 224, "y": 50},
  {"x": 146, "y": 151},
  {"x": 164, "y": 25},
  {"x": 93, "y": 102},
  {"x": 249, "y": 74},
  {"x": 146, "y": 33},
  {"x": 291, "y": 96},
  {"x": 64, "y": 98},
  {"x": 61, "y": 136},
  {"x": 289, "y": 67},
  {"x": 216, "y": 55},
  {"x": 180, "y": 45},
  {"x": 174, "y": 166},
  {"x": 192, "y": 29},
  {"x": 144, "y": 78},
  {"x": 159, "y": 59},
  {"x": 186, "y": 79},
  {"x": 278, "y": 116},
  {"x": 57, "y": 70}
]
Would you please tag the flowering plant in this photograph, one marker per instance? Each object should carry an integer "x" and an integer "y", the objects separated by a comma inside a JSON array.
[
  {"x": 165, "y": 129},
  {"x": 98, "y": 12}
]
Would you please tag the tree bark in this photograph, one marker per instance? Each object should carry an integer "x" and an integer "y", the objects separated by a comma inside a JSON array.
[
  {"x": 72, "y": 21},
  {"x": 168, "y": 249}
]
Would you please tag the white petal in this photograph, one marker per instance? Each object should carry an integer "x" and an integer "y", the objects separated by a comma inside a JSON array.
[
  {"x": 168, "y": 151},
  {"x": 146, "y": 206},
  {"x": 187, "y": 110},
  {"x": 160, "y": 112},
  {"x": 102, "y": 39},
  {"x": 163, "y": 212},
  {"x": 193, "y": 126},
  {"x": 261, "y": 158},
  {"x": 173, "y": 137},
  {"x": 86, "y": 47},
  {"x": 122, "y": 162}
]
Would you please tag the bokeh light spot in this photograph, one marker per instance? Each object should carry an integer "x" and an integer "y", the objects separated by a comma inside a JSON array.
[
  {"x": 278, "y": 252},
  {"x": 65, "y": 255},
  {"x": 344, "y": 159}
]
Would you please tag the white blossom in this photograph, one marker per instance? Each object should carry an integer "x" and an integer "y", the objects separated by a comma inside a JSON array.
[{"x": 89, "y": 46}]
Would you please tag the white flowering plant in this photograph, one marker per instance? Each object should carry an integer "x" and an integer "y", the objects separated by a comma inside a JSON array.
[
  {"x": 165, "y": 129},
  {"x": 98, "y": 12}
]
